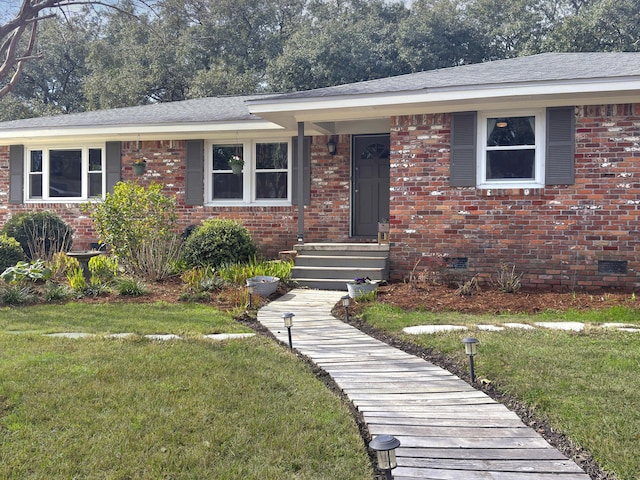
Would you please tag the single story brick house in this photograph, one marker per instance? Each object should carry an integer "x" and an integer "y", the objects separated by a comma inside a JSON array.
[{"x": 532, "y": 161}]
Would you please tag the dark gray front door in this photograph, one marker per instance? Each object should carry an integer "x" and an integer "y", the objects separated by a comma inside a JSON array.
[{"x": 370, "y": 183}]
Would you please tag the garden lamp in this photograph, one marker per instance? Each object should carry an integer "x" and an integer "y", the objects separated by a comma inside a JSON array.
[
  {"x": 250, "y": 290},
  {"x": 288, "y": 322},
  {"x": 346, "y": 300},
  {"x": 385, "y": 448},
  {"x": 471, "y": 348}
]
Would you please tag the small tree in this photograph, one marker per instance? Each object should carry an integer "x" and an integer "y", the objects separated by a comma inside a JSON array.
[{"x": 140, "y": 226}]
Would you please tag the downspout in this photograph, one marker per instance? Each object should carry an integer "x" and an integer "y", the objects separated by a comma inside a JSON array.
[{"x": 300, "y": 181}]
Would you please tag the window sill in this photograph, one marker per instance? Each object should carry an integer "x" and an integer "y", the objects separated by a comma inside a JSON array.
[
  {"x": 509, "y": 192},
  {"x": 265, "y": 203}
]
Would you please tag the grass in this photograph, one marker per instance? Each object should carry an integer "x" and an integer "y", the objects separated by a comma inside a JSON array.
[
  {"x": 181, "y": 319},
  {"x": 586, "y": 384},
  {"x": 134, "y": 408}
]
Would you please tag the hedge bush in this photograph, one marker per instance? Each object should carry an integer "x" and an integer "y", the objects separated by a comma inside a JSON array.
[
  {"x": 218, "y": 242},
  {"x": 40, "y": 234},
  {"x": 10, "y": 252}
]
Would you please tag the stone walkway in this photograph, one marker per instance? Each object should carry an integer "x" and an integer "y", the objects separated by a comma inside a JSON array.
[{"x": 447, "y": 429}]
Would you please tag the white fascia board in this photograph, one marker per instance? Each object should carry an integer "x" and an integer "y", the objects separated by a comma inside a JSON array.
[
  {"x": 180, "y": 131},
  {"x": 400, "y": 103}
]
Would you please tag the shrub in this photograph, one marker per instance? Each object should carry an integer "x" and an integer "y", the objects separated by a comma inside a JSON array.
[
  {"x": 40, "y": 234},
  {"x": 16, "y": 294},
  {"x": 131, "y": 287},
  {"x": 10, "y": 252},
  {"x": 507, "y": 280},
  {"x": 140, "y": 226},
  {"x": 54, "y": 292},
  {"x": 103, "y": 268},
  {"x": 217, "y": 242}
]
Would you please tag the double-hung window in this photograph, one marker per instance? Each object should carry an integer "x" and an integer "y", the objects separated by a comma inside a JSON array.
[
  {"x": 265, "y": 177},
  {"x": 511, "y": 150},
  {"x": 65, "y": 173}
]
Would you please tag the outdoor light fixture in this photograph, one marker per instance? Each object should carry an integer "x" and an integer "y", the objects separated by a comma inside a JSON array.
[
  {"x": 250, "y": 290},
  {"x": 471, "y": 348},
  {"x": 385, "y": 448},
  {"x": 288, "y": 322},
  {"x": 332, "y": 147},
  {"x": 346, "y": 300}
]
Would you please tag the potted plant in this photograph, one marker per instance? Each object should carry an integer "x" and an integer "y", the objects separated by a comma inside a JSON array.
[
  {"x": 361, "y": 286},
  {"x": 236, "y": 163},
  {"x": 139, "y": 164}
]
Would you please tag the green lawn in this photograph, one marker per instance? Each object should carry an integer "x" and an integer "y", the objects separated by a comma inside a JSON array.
[
  {"x": 191, "y": 409},
  {"x": 586, "y": 384}
]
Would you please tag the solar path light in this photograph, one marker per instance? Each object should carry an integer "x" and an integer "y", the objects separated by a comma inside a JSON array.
[
  {"x": 346, "y": 300},
  {"x": 288, "y": 322},
  {"x": 250, "y": 290},
  {"x": 471, "y": 348},
  {"x": 385, "y": 448}
]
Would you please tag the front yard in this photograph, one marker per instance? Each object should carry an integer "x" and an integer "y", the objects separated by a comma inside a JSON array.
[{"x": 133, "y": 408}]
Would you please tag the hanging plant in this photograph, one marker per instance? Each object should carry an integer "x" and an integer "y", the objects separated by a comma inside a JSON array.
[
  {"x": 139, "y": 166},
  {"x": 236, "y": 163}
]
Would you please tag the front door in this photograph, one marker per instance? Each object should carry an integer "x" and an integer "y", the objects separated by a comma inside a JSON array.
[{"x": 370, "y": 183}]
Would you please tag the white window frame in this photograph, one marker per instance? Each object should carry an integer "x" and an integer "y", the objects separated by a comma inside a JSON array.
[
  {"x": 46, "y": 169},
  {"x": 249, "y": 172},
  {"x": 539, "y": 164}
]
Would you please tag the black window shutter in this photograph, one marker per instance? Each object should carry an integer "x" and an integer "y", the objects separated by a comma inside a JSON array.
[
  {"x": 462, "y": 168},
  {"x": 113, "y": 164},
  {"x": 306, "y": 171},
  {"x": 194, "y": 177},
  {"x": 559, "y": 159},
  {"x": 16, "y": 174}
]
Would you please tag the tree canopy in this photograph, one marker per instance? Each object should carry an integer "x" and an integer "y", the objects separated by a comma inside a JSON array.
[{"x": 74, "y": 55}]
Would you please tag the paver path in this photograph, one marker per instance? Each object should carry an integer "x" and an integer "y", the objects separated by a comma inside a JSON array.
[{"x": 447, "y": 429}]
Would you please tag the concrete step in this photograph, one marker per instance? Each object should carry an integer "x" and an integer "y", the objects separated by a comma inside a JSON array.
[
  {"x": 338, "y": 273},
  {"x": 343, "y": 249},
  {"x": 305, "y": 260},
  {"x": 322, "y": 284},
  {"x": 329, "y": 266}
]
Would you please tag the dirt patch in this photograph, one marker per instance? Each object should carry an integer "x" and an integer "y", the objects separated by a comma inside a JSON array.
[{"x": 439, "y": 298}]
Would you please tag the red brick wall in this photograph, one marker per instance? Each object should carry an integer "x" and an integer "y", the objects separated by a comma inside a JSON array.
[
  {"x": 554, "y": 235},
  {"x": 273, "y": 228}
]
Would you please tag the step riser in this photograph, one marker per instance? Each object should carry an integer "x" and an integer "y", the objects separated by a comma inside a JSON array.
[
  {"x": 329, "y": 262},
  {"x": 344, "y": 275},
  {"x": 331, "y": 266}
]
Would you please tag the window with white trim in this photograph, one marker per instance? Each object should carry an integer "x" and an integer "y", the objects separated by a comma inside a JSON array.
[
  {"x": 265, "y": 177},
  {"x": 70, "y": 173},
  {"x": 511, "y": 149}
]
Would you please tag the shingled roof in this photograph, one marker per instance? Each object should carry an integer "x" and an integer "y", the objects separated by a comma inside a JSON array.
[
  {"x": 545, "y": 67},
  {"x": 195, "y": 111}
]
